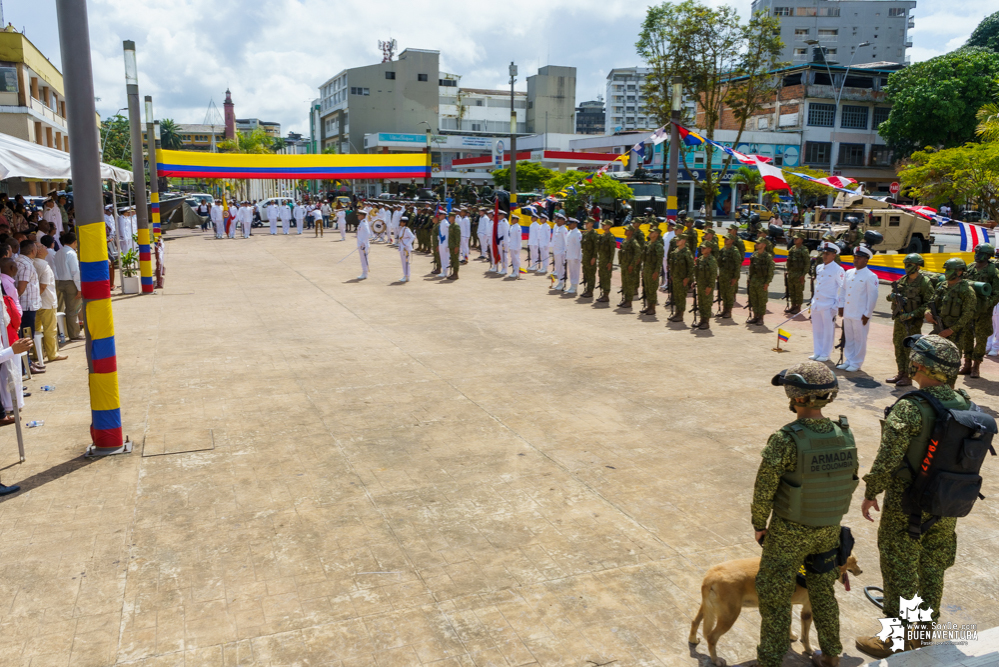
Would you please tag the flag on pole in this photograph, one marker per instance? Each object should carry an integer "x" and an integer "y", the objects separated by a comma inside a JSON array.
[
  {"x": 773, "y": 177},
  {"x": 741, "y": 157},
  {"x": 972, "y": 236},
  {"x": 659, "y": 136},
  {"x": 838, "y": 182},
  {"x": 690, "y": 138},
  {"x": 782, "y": 335}
]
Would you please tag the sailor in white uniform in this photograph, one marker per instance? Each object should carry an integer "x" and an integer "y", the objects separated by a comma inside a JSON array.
[{"x": 857, "y": 296}]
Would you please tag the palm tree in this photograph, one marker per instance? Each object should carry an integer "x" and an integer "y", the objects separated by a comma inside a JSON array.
[
  {"x": 256, "y": 141},
  {"x": 169, "y": 137},
  {"x": 750, "y": 178},
  {"x": 988, "y": 121}
]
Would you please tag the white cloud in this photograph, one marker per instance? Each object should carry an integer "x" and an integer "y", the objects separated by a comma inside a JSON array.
[{"x": 274, "y": 55}]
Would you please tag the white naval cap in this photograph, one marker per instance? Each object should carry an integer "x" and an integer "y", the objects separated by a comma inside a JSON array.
[
  {"x": 864, "y": 250},
  {"x": 829, "y": 247}
]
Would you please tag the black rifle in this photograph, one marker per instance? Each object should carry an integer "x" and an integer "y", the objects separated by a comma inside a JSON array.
[
  {"x": 787, "y": 293},
  {"x": 813, "y": 265},
  {"x": 669, "y": 292},
  {"x": 841, "y": 346},
  {"x": 898, "y": 302},
  {"x": 937, "y": 324},
  {"x": 695, "y": 309}
]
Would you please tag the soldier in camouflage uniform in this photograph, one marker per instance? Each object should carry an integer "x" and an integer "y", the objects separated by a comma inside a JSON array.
[
  {"x": 636, "y": 224},
  {"x": 729, "y": 270},
  {"x": 705, "y": 275},
  {"x": 606, "y": 245},
  {"x": 711, "y": 240},
  {"x": 798, "y": 261},
  {"x": 982, "y": 271},
  {"x": 589, "y": 247},
  {"x": 733, "y": 233},
  {"x": 454, "y": 247},
  {"x": 911, "y": 566},
  {"x": 434, "y": 235},
  {"x": 630, "y": 259},
  {"x": 690, "y": 233},
  {"x": 762, "y": 236},
  {"x": 681, "y": 269},
  {"x": 411, "y": 190},
  {"x": 810, "y": 527},
  {"x": 652, "y": 265},
  {"x": 909, "y": 297},
  {"x": 761, "y": 272},
  {"x": 956, "y": 304}
]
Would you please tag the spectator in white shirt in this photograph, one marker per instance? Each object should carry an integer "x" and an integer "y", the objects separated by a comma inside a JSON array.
[
  {"x": 67, "y": 275},
  {"x": 45, "y": 317},
  {"x": 857, "y": 297},
  {"x": 828, "y": 281},
  {"x": 27, "y": 290},
  {"x": 52, "y": 215}
]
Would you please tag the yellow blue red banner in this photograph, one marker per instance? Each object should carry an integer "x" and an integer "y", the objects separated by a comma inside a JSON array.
[{"x": 190, "y": 164}]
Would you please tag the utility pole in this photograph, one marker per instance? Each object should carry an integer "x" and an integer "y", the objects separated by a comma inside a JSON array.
[
  {"x": 152, "y": 137},
  {"x": 674, "y": 148},
  {"x": 88, "y": 198},
  {"x": 513, "y": 142},
  {"x": 138, "y": 169}
]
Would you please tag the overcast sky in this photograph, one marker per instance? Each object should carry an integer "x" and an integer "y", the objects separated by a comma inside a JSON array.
[{"x": 274, "y": 55}]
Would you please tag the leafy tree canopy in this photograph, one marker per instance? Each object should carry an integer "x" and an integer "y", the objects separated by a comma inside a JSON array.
[
  {"x": 967, "y": 174},
  {"x": 986, "y": 34},
  {"x": 530, "y": 176},
  {"x": 581, "y": 191}
]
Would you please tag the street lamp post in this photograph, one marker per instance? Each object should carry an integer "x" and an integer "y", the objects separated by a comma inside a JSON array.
[
  {"x": 853, "y": 55},
  {"x": 138, "y": 170},
  {"x": 674, "y": 148},
  {"x": 426, "y": 181},
  {"x": 85, "y": 165},
  {"x": 513, "y": 141},
  {"x": 107, "y": 134},
  {"x": 152, "y": 139}
]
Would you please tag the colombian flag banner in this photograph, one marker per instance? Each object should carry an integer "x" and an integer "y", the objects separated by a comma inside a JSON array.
[{"x": 191, "y": 164}]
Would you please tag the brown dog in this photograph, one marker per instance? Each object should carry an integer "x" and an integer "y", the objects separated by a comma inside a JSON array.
[{"x": 730, "y": 586}]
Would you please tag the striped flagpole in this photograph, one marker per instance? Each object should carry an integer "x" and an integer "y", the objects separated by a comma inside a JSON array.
[
  {"x": 152, "y": 233},
  {"x": 95, "y": 288}
]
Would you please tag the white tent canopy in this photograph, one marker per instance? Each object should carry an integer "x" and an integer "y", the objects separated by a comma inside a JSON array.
[{"x": 23, "y": 159}]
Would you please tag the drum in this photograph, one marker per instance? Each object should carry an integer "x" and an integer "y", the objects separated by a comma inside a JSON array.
[{"x": 378, "y": 227}]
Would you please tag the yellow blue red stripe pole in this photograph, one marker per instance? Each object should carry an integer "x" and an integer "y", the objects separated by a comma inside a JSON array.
[
  {"x": 145, "y": 247},
  {"x": 95, "y": 287}
]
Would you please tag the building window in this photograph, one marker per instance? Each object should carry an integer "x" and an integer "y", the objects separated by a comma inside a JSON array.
[
  {"x": 801, "y": 51},
  {"x": 421, "y": 77},
  {"x": 389, "y": 75},
  {"x": 805, "y": 11},
  {"x": 851, "y": 155},
  {"x": 479, "y": 103},
  {"x": 447, "y": 82},
  {"x": 830, "y": 52},
  {"x": 782, "y": 11},
  {"x": 818, "y": 152},
  {"x": 880, "y": 115},
  {"x": 880, "y": 156},
  {"x": 801, "y": 32},
  {"x": 821, "y": 115},
  {"x": 829, "y": 11},
  {"x": 896, "y": 11},
  {"x": 853, "y": 118},
  {"x": 828, "y": 32}
]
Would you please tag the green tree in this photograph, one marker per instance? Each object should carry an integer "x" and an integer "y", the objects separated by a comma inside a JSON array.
[
  {"x": 170, "y": 135},
  {"x": 278, "y": 143},
  {"x": 530, "y": 176},
  {"x": 750, "y": 179},
  {"x": 580, "y": 191},
  {"x": 721, "y": 62},
  {"x": 116, "y": 141},
  {"x": 986, "y": 34},
  {"x": 934, "y": 102},
  {"x": 805, "y": 190},
  {"x": 988, "y": 119},
  {"x": 967, "y": 174},
  {"x": 256, "y": 141}
]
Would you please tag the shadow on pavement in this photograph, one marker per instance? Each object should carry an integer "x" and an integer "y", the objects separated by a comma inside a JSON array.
[{"x": 50, "y": 475}]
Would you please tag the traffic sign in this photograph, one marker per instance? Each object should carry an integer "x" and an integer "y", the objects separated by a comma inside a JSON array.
[{"x": 894, "y": 188}]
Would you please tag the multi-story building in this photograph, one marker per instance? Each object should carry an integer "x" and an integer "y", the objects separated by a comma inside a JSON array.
[
  {"x": 32, "y": 106},
  {"x": 248, "y": 125},
  {"x": 840, "y": 27},
  {"x": 551, "y": 100},
  {"x": 590, "y": 117},
  {"x": 410, "y": 95},
  {"x": 625, "y": 101}
]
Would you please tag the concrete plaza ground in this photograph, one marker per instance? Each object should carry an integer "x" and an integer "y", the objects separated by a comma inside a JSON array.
[{"x": 331, "y": 472}]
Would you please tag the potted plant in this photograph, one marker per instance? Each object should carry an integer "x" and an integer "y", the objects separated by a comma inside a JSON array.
[{"x": 130, "y": 271}]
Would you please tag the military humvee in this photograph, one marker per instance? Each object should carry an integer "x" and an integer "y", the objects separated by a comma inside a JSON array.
[{"x": 903, "y": 232}]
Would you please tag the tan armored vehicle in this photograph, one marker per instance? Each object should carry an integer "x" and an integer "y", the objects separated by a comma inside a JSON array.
[{"x": 903, "y": 232}]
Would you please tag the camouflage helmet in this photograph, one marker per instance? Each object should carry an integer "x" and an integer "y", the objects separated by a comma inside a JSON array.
[
  {"x": 984, "y": 252},
  {"x": 811, "y": 380},
  {"x": 937, "y": 355},
  {"x": 952, "y": 266},
  {"x": 799, "y": 235},
  {"x": 914, "y": 258}
]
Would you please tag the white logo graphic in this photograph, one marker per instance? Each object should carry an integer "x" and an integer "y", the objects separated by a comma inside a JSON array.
[{"x": 892, "y": 627}]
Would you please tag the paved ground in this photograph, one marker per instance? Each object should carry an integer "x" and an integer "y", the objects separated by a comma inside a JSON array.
[{"x": 472, "y": 472}]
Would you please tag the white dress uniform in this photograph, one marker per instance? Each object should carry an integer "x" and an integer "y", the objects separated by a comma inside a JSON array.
[
  {"x": 502, "y": 228},
  {"x": 442, "y": 249},
  {"x": 573, "y": 257},
  {"x": 544, "y": 242},
  {"x": 465, "y": 225},
  {"x": 394, "y": 228},
  {"x": 216, "y": 215},
  {"x": 514, "y": 245},
  {"x": 558, "y": 253},
  {"x": 857, "y": 297},
  {"x": 341, "y": 223},
  {"x": 285, "y": 214},
  {"x": 405, "y": 240},
  {"x": 992, "y": 344},
  {"x": 533, "y": 258},
  {"x": 485, "y": 236},
  {"x": 247, "y": 220},
  {"x": 272, "y": 217},
  {"x": 363, "y": 245},
  {"x": 828, "y": 280},
  {"x": 666, "y": 240},
  {"x": 299, "y": 213}
]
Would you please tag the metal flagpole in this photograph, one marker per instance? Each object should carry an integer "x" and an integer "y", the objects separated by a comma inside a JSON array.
[
  {"x": 105, "y": 405},
  {"x": 138, "y": 169},
  {"x": 154, "y": 192}
]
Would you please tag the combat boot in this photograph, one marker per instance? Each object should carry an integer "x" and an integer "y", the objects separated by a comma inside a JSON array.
[
  {"x": 794, "y": 311},
  {"x": 587, "y": 294},
  {"x": 893, "y": 380},
  {"x": 966, "y": 368},
  {"x": 822, "y": 660},
  {"x": 904, "y": 381},
  {"x": 676, "y": 318},
  {"x": 752, "y": 320},
  {"x": 603, "y": 298},
  {"x": 874, "y": 647},
  {"x": 704, "y": 325},
  {"x": 626, "y": 304},
  {"x": 727, "y": 314},
  {"x": 975, "y": 369}
]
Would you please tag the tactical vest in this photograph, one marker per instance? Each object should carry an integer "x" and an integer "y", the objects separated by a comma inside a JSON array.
[
  {"x": 819, "y": 489},
  {"x": 911, "y": 293},
  {"x": 950, "y": 302}
]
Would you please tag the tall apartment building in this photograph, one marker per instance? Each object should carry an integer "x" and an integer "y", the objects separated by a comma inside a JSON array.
[
  {"x": 590, "y": 117},
  {"x": 410, "y": 94},
  {"x": 625, "y": 102},
  {"x": 839, "y": 27}
]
